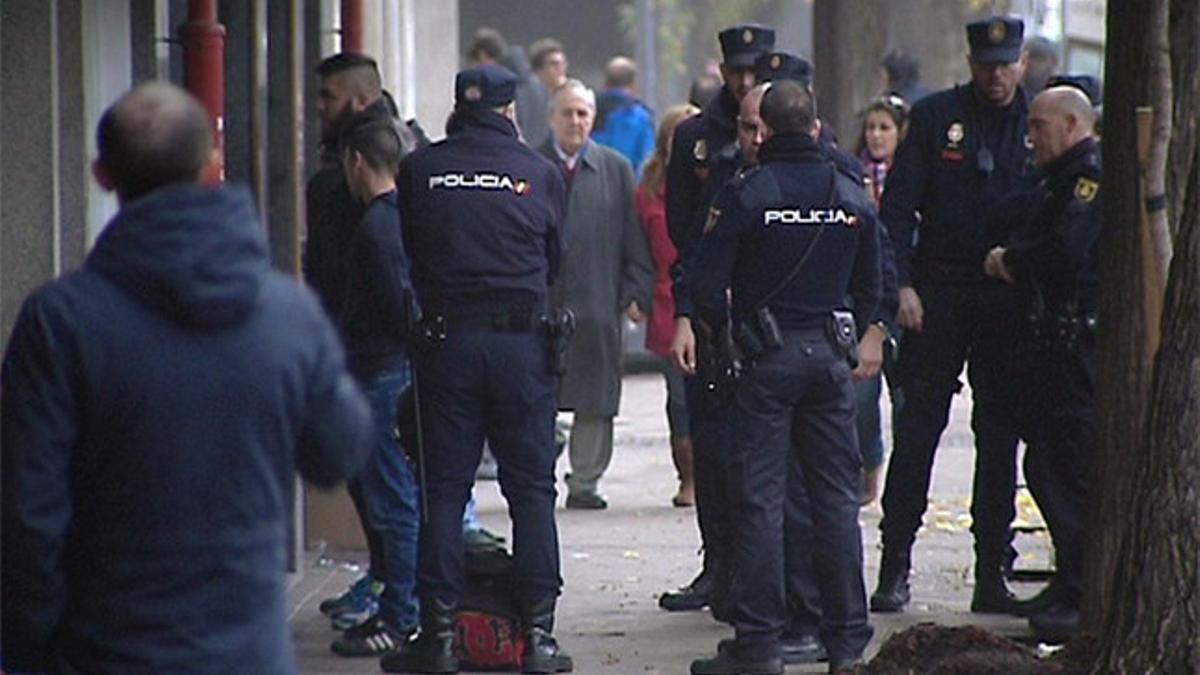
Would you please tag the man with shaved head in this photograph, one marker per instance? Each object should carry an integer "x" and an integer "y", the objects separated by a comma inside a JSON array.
[
  {"x": 1053, "y": 262},
  {"x": 155, "y": 405}
]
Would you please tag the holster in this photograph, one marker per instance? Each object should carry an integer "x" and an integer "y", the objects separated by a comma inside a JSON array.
[
  {"x": 1062, "y": 333},
  {"x": 559, "y": 326},
  {"x": 843, "y": 335}
]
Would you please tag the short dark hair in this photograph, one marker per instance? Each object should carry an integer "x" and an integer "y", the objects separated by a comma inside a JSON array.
[
  {"x": 542, "y": 49},
  {"x": 376, "y": 139},
  {"x": 153, "y": 136},
  {"x": 488, "y": 42},
  {"x": 704, "y": 89},
  {"x": 902, "y": 69},
  {"x": 343, "y": 61},
  {"x": 788, "y": 107}
]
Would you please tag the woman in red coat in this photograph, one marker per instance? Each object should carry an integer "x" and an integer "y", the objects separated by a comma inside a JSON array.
[{"x": 651, "y": 207}]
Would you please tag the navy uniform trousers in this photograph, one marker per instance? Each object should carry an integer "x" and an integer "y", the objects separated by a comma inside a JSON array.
[
  {"x": 1058, "y": 426},
  {"x": 973, "y": 323},
  {"x": 799, "y": 400},
  {"x": 496, "y": 385},
  {"x": 709, "y": 416}
]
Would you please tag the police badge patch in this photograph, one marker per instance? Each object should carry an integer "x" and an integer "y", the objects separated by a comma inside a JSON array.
[
  {"x": 700, "y": 150},
  {"x": 997, "y": 31},
  {"x": 1086, "y": 189}
]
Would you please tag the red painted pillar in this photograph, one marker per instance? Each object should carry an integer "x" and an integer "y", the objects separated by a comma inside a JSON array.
[
  {"x": 352, "y": 26},
  {"x": 204, "y": 69}
]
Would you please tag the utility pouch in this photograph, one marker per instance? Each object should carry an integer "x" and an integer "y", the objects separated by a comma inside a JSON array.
[{"x": 840, "y": 329}]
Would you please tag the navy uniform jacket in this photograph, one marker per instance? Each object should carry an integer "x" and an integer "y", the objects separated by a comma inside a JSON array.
[
  {"x": 764, "y": 220},
  {"x": 702, "y": 152},
  {"x": 940, "y": 184},
  {"x": 482, "y": 214},
  {"x": 1057, "y": 247},
  {"x": 375, "y": 303},
  {"x": 154, "y": 407}
]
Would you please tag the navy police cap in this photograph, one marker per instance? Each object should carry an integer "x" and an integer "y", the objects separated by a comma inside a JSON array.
[
  {"x": 1089, "y": 85},
  {"x": 996, "y": 40},
  {"x": 487, "y": 86},
  {"x": 742, "y": 44},
  {"x": 783, "y": 66}
]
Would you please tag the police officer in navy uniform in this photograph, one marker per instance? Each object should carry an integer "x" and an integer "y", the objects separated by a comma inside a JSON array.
[
  {"x": 791, "y": 239},
  {"x": 965, "y": 151},
  {"x": 690, "y": 187},
  {"x": 481, "y": 212},
  {"x": 1052, "y": 261}
]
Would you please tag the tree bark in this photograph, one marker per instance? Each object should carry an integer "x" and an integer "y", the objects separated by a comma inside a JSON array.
[
  {"x": 1131, "y": 292},
  {"x": 847, "y": 43},
  {"x": 1145, "y": 597}
]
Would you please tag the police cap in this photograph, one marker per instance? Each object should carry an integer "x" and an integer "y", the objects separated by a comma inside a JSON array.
[
  {"x": 743, "y": 43},
  {"x": 486, "y": 86},
  {"x": 1089, "y": 85},
  {"x": 996, "y": 40},
  {"x": 783, "y": 66}
]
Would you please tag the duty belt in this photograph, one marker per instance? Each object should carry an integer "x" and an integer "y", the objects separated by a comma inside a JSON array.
[{"x": 509, "y": 322}]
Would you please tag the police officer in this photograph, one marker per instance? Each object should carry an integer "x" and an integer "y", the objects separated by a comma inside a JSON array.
[
  {"x": 965, "y": 151},
  {"x": 690, "y": 187},
  {"x": 481, "y": 214},
  {"x": 791, "y": 238},
  {"x": 1052, "y": 261}
]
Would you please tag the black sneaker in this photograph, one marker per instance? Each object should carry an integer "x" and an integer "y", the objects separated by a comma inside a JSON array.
[{"x": 373, "y": 638}]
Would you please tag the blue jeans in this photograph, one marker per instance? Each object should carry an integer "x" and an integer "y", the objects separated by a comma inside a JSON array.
[{"x": 389, "y": 495}]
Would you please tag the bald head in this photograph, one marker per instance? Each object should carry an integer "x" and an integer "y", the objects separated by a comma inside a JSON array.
[
  {"x": 750, "y": 126},
  {"x": 1059, "y": 119},
  {"x": 788, "y": 107},
  {"x": 620, "y": 73},
  {"x": 153, "y": 136}
]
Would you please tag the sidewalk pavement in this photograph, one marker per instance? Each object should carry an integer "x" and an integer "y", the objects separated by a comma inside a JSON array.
[{"x": 616, "y": 562}]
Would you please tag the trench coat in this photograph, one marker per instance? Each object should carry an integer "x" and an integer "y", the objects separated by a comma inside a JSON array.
[{"x": 607, "y": 266}]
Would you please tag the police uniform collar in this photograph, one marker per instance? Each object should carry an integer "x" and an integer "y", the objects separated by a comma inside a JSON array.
[
  {"x": 789, "y": 147},
  {"x": 1065, "y": 165},
  {"x": 474, "y": 118}
]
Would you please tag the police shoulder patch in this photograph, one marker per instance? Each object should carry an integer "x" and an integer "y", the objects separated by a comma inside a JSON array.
[{"x": 1086, "y": 189}]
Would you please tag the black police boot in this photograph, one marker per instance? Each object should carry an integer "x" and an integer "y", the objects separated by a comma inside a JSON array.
[
  {"x": 727, "y": 662},
  {"x": 542, "y": 653},
  {"x": 991, "y": 594},
  {"x": 689, "y": 598},
  {"x": 802, "y": 649},
  {"x": 1057, "y": 623},
  {"x": 433, "y": 650},
  {"x": 892, "y": 593}
]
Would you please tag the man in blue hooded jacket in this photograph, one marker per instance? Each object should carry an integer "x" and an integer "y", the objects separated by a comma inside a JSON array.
[{"x": 154, "y": 406}]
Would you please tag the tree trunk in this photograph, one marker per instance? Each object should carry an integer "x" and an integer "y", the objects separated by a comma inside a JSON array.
[
  {"x": 1146, "y": 606},
  {"x": 1131, "y": 295},
  {"x": 847, "y": 43}
]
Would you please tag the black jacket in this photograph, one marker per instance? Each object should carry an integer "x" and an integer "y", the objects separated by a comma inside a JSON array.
[
  {"x": 378, "y": 296},
  {"x": 154, "y": 407}
]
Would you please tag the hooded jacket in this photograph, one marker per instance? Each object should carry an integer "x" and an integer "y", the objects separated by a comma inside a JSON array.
[{"x": 155, "y": 405}]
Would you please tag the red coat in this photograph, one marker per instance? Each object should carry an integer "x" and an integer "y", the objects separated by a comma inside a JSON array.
[{"x": 652, "y": 213}]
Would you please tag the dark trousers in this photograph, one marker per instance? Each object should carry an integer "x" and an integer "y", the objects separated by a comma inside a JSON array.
[
  {"x": 796, "y": 400},
  {"x": 975, "y": 324},
  {"x": 708, "y": 417},
  {"x": 497, "y": 386},
  {"x": 1058, "y": 426}
]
